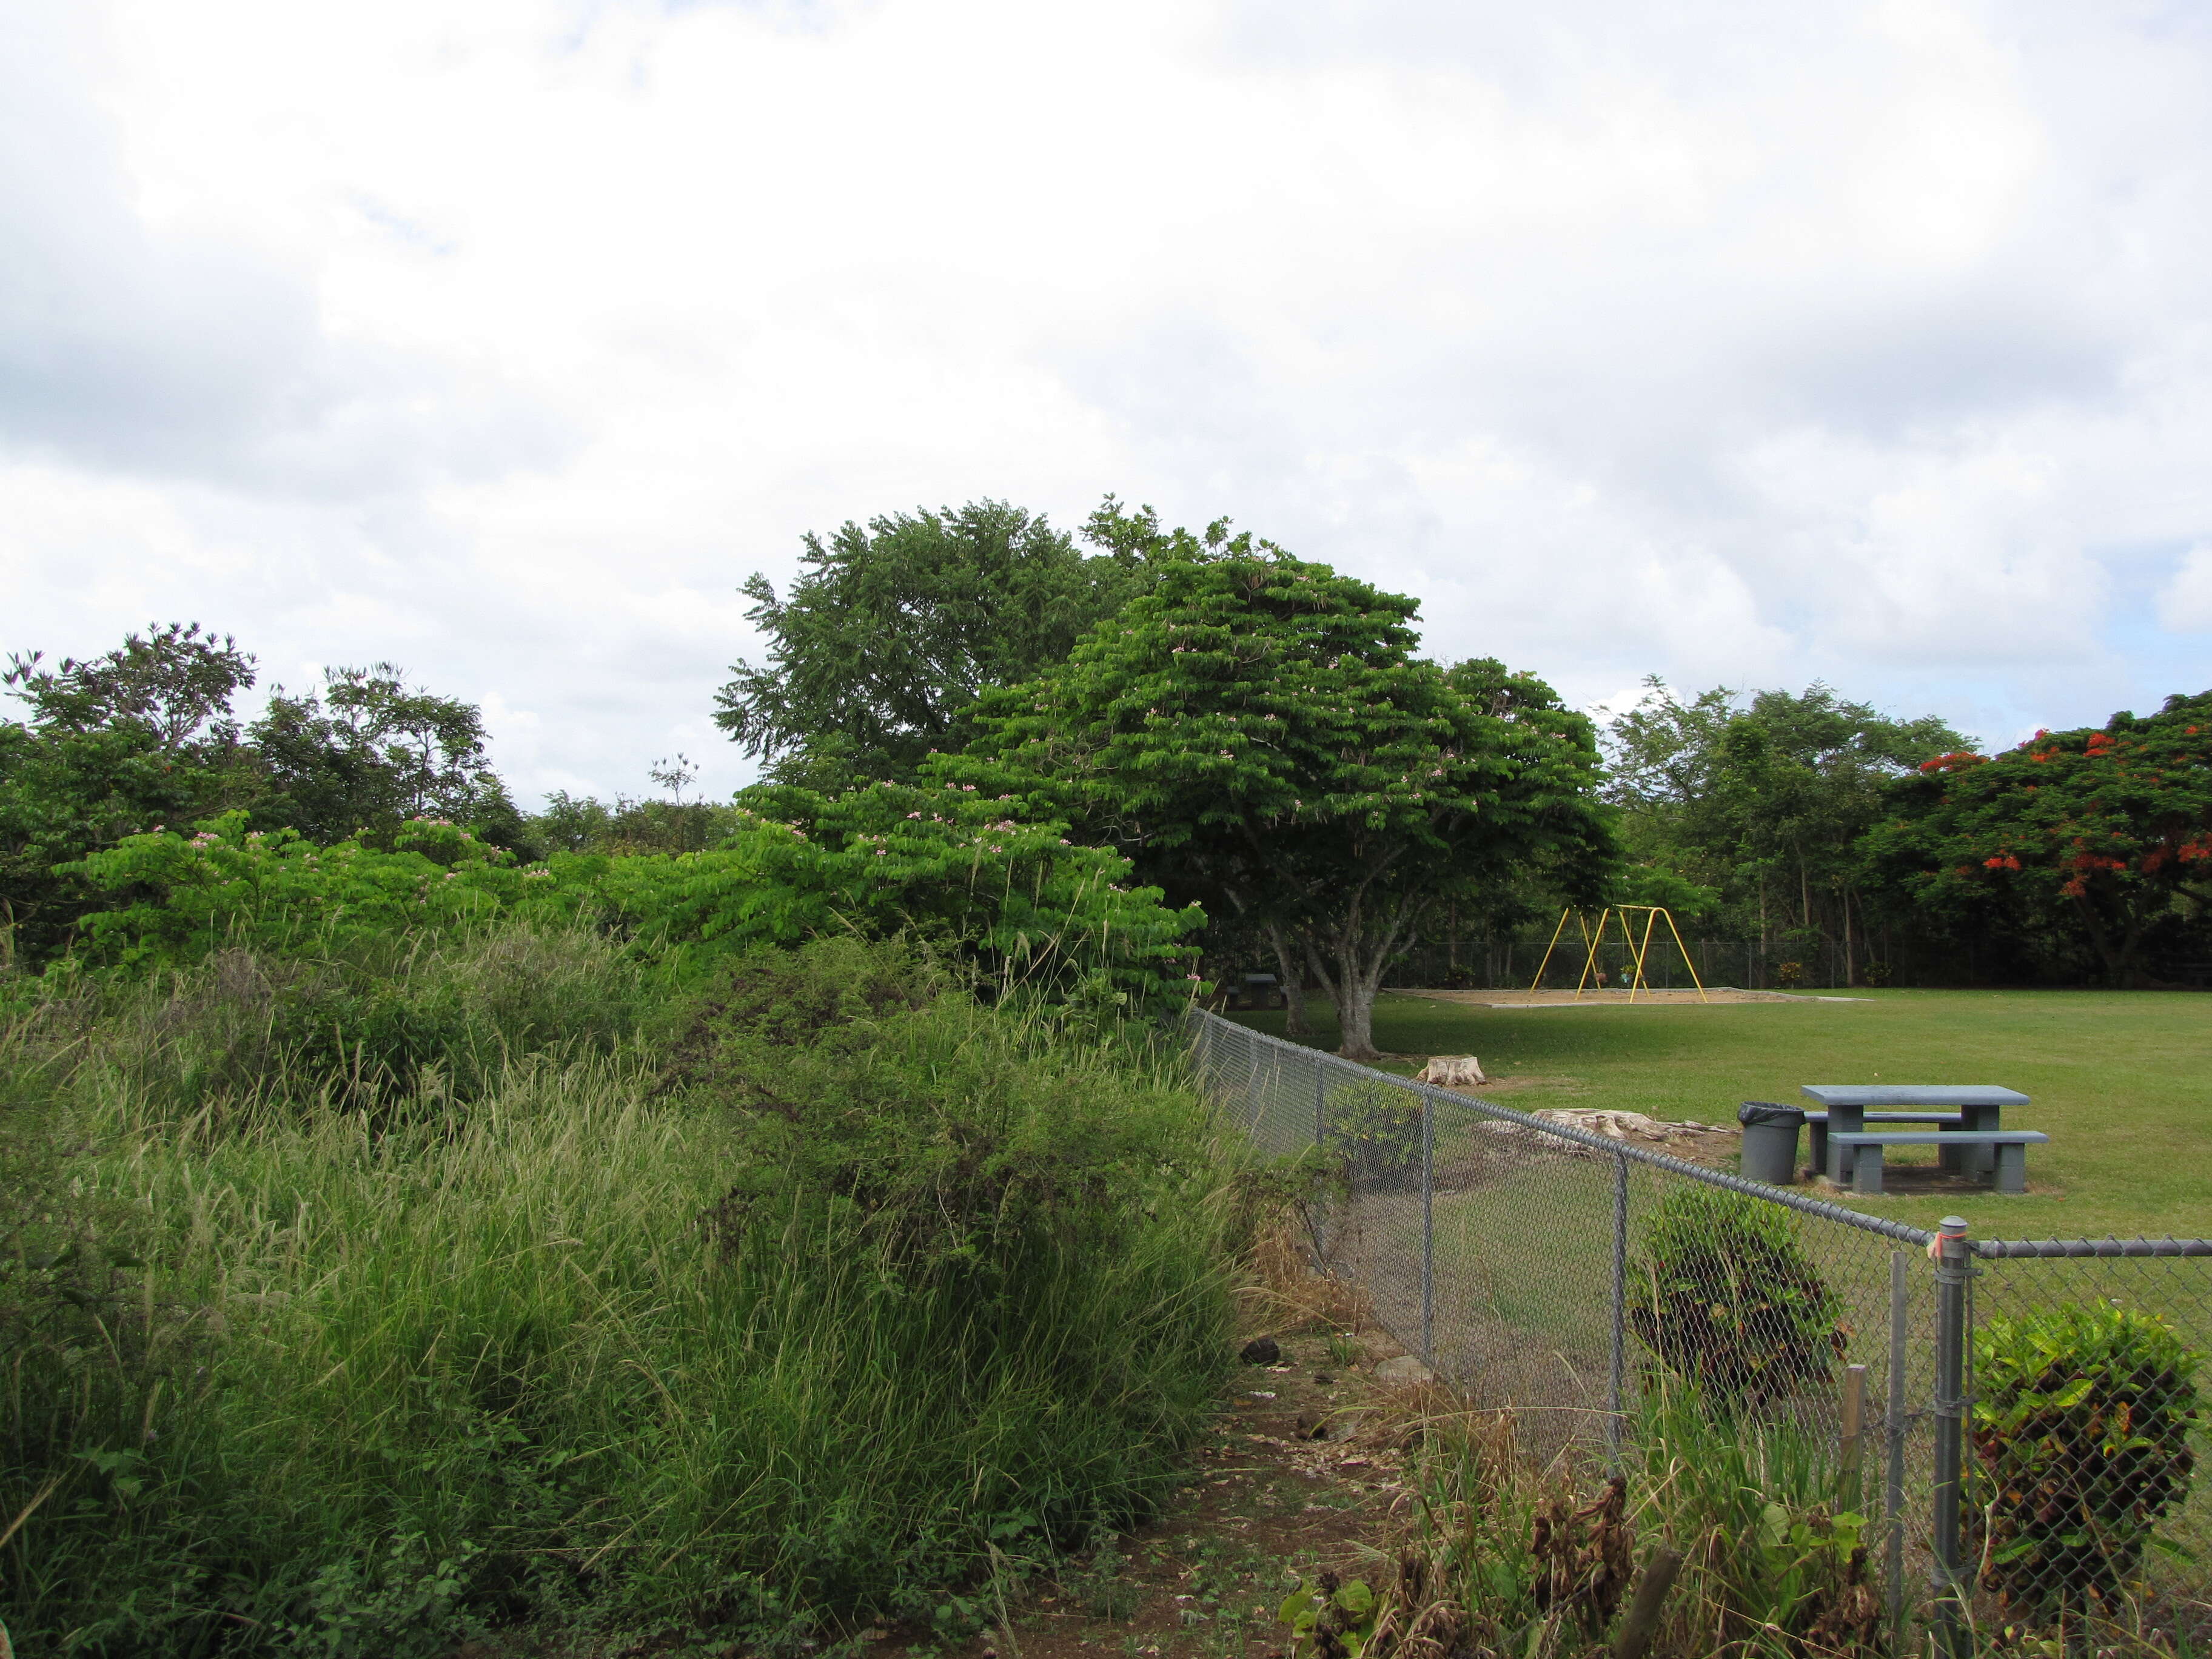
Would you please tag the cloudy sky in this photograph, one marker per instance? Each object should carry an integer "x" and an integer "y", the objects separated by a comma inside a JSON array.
[{"x": 1741, "y": 343}]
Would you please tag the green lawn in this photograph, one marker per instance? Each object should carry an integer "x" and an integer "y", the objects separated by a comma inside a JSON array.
[{"x": 2121, "y": 1081}]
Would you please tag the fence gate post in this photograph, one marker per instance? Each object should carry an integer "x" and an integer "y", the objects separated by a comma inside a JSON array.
[
  {"x": 1952, "y": 1255},
  {"x": 1429, "y": 1230},
  {"x": 1616, "y": 1403}
]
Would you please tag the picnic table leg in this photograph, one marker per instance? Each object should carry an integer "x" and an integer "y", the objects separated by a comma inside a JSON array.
[
  {"x": 1866, "y": 1171},
  {"x": 2012, "y": 1168},
  {"x": 1980, "y": 1162},
  {"x": 1841, "y": 1120},
  {"x": 1817, "y": 1144}
]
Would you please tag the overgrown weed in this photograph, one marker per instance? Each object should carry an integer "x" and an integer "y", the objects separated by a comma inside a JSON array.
[{"x": 830, "y": 1328}]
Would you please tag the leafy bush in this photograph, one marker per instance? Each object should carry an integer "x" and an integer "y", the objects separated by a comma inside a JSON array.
[
  {"x": 1728, "y": 1300},
  {"x": 1374, "y": 1131},
  {"x": 2081, "y": 1423},
  {"x": 176, "y": 899},
  {"x": 1037, "y": 916}
]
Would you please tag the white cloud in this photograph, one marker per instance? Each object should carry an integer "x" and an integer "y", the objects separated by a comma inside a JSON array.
[
  {"x": 2185, "y": 602},
  {"x": 1863, "y": 341}
]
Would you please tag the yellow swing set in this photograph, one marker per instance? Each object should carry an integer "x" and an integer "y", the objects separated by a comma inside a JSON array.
[{"x": 1639, "y": 948}]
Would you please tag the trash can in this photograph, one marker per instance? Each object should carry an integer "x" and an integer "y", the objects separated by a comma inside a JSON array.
[{"x": 1770, "y": 1141}]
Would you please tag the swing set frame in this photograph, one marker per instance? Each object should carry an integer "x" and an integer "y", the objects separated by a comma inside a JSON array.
[{"x": 1638, "y": 950}]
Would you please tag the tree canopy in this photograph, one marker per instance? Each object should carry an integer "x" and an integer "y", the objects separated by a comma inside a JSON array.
[
  {"x": 145, "y": 737},
  {"x": 112, "y": 744},
  {"x": 1763, "y": 803},
  {"x": 368, "y": 752},
  {"x": 2101, "y": 837},
  {"x": 892, "y": 629},
  {"x": 1256, "y": 734}
]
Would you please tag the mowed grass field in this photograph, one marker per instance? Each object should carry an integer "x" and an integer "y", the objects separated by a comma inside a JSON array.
[{"x": 2120, "y": 1081}]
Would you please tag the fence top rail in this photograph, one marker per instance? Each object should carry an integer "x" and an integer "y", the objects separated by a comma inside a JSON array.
[
  {"x": 2106, "y": 1248},
  {"x": 1827, "y": 1211}
]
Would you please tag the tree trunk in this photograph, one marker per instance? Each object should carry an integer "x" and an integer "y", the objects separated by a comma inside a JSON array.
[
  {"x": 1849, "y": 979},
  {"x": 2117, "y": 965},
  {"x": 1355, "y": 1014},
  {"x": 1291, "y": 972},
  {"x": 1352, "y": 979}
]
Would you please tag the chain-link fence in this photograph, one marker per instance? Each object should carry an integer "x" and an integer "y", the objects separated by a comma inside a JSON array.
[{"x": 2018, "y": 1421}]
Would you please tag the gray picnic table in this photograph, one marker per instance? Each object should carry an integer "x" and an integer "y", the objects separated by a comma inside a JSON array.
[{"x": 1969, "y": 1135}]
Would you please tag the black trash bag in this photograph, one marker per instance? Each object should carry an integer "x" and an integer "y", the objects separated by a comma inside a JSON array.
[{"x": 1772, "y": 1113}]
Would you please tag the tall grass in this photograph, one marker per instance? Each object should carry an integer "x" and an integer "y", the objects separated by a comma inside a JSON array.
[{"x": 296, "y": 1366}]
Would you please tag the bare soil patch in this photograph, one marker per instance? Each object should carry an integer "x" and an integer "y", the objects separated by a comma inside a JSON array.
[
  {"x": 1303, "y": 1471},
  {"x": 1712, "y": 995}
]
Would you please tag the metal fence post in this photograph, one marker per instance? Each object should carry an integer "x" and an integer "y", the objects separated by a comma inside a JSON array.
[
  {"x": 1617, "y": 1403},
  {"x": 1892, "y": 1506},
  {"x": 1429, "y": 1230},
  {"x": 1952, "y": 1255},
  {"x": 1321, "y": 1103}
]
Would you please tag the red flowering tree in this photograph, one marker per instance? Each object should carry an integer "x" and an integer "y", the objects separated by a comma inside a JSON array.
[{"x": 2102, "y": 834}]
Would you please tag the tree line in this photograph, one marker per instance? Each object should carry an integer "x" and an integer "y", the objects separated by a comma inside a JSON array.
[{"x": 1248, "y": 734}]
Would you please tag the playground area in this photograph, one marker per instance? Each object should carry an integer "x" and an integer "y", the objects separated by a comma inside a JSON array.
[{"x": 2116, "y": 1078}]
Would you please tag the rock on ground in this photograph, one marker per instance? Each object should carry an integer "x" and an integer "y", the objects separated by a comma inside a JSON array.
[{"x": 1403, "y": 1369}]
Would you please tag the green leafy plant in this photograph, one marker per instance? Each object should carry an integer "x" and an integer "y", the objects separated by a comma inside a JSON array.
[
  {"x": 2081, "y": 1423},
  {"x": 1374, "y": 1131},
  {"x": 1728, "y": 1301},
  {"x": 1789, "y": 974},
  {"x": 1331, "y": 1615}
]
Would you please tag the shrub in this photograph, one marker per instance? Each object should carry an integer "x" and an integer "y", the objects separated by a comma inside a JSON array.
[
  {"x": 1374, "y": 1131},
  {"x": 1789, "y": 974},
  {"x": 2081, "y": 1423},
  {"x": 1728, "y": 1301}
]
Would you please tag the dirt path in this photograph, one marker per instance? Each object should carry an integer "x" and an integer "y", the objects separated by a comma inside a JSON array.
[{"x": 1267, "y": 1500}]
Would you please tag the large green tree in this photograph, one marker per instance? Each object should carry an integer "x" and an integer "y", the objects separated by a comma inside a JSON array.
[
  {"x": 1764, "y": 802},
  {"x": 369, "y": 751},
  {"x": 2099, "y": 838},
  {"x": 111, "y": 746},
  {"x": 878, "y": 650},
  {"x": 1257, "y": 734}
]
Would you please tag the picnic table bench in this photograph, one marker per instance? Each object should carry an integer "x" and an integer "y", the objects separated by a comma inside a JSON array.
[{"x": 1969, "y": 1132}]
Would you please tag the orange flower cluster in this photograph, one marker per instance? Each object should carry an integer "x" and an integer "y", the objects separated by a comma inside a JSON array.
[{"x": 1957, "y": 761}]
